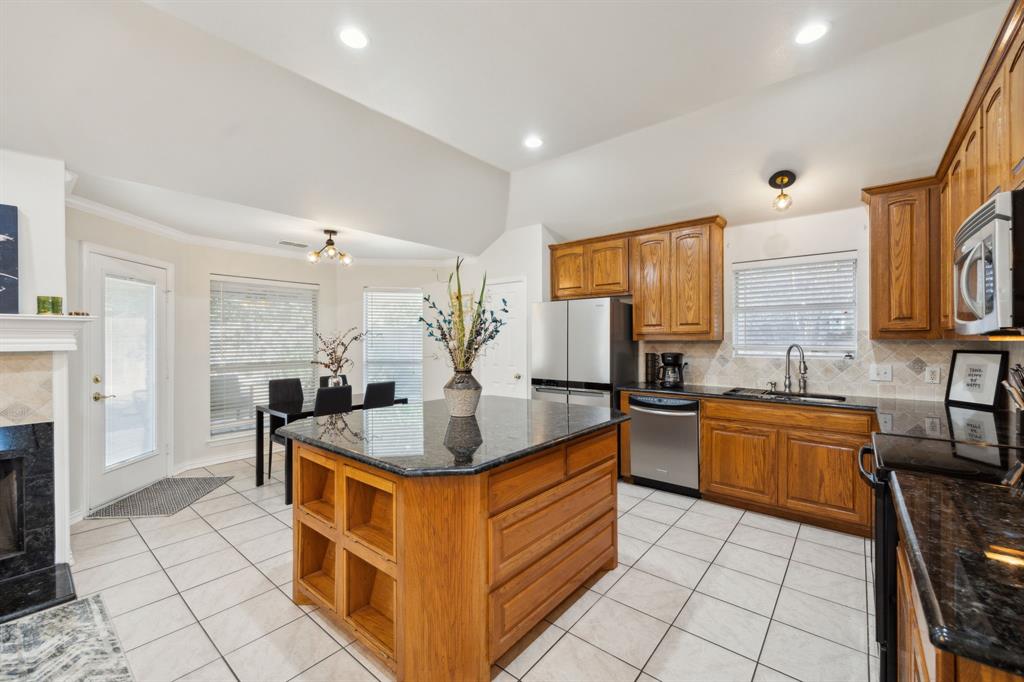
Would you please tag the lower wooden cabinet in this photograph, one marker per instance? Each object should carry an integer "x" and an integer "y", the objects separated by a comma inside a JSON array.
[
  {"x": 790, "y": 460},
  {"x": 743, "y": 460},
  {"x": 818, "y": 475}
]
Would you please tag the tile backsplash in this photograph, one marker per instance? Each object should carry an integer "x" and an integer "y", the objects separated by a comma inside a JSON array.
[
  {"x": 26, "y": 388},
  {"x": 714, "y": 364}
]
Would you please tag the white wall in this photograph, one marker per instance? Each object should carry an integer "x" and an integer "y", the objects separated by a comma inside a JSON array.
[{"x": 36, "y": 186}]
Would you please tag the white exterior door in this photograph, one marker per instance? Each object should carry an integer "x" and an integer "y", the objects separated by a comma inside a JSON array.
[
  {"x": 127, "y": 376},
  {"x": 505, "y": 361}
]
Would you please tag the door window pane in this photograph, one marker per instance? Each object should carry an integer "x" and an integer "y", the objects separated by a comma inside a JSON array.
[{"x": 131, "y": 374}]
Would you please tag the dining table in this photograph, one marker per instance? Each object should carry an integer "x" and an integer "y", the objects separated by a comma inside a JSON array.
[{"x": 290, "y": 411}]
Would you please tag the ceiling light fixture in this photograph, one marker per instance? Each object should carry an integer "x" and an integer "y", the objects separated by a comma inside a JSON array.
[
  {"x": 532, "y": 142},
  {"x": 780, "y": 180},
  {"x": 353, "y": 37},
  {"x": 330, "y": 251},
  {"x": 815, "y": 30}
]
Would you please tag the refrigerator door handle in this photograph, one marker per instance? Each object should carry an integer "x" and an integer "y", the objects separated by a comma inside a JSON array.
[
  {"x": 587, "y": 391},
  {"x": 548, "y": 389}
]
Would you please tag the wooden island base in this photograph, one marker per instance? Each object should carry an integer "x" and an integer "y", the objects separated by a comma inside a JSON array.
[{"x": 441, "y": 575}]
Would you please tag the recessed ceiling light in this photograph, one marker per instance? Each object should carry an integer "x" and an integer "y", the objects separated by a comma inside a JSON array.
[
  {"x": 811, "y": 32},
  {"x": 532, "y": 142},
  {"x": 353, "y": 37}
]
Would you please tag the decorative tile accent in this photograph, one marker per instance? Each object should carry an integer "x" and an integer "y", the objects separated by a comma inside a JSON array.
[
  {"x": 713, "y": 364},
  {"x": 26, "y": 388}
]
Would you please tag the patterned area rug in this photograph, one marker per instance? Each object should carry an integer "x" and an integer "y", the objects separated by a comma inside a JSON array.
[
  {"x": 69, "y": 643},
  {"x": 165, "y": 497}
]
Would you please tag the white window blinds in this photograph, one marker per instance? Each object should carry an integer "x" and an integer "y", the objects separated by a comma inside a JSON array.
[
  {"x": 810, "y": 301},
  {"x": 259, "y": 331},
  {"x": 393, "y": 347}
]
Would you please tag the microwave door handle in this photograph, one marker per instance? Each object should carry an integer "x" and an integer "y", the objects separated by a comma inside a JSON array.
[{"x": 963, "y": 282}]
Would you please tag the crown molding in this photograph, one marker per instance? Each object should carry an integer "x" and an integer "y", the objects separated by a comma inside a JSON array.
[{"x": 40, "y": 333}]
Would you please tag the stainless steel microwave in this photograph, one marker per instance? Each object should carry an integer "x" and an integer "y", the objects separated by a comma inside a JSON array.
[{"x": 988, "y": 268}]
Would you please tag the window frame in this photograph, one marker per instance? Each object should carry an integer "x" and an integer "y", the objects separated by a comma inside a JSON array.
[
  {"x": 845, "y": 256},
  {"x": 244, "y": 434}
]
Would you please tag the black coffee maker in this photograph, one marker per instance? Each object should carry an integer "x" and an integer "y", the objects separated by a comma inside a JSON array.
[{"x": 670, "y": 374}]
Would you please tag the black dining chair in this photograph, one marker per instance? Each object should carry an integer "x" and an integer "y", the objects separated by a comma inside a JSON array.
[
  {"x": 325, "y": 379},
  {"x": 332, "y": 400},
  {"x": 379, "y": 394},
  {"x": 282, "y": 392}
]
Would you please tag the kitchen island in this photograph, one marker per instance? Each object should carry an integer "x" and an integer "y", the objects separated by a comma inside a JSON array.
[{"x": 439, "y": 542}]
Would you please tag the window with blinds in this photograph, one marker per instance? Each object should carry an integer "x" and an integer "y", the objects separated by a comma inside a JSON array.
[
  {"x": 259, "y": 330},
  {"x": 809, "y": 301},
  {"x": 393, "y": 347}
]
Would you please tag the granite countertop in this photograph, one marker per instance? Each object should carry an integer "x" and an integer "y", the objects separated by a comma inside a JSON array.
[
  {"x": 965, "y": 545},
  {"x": 901, "y": 417},
  {"x": 420, "y": 439}
]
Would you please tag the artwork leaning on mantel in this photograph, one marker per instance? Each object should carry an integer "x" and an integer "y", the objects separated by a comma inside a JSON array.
[
  {"x": 8, "y": 259},
  {"x": 464, "y": 329}
]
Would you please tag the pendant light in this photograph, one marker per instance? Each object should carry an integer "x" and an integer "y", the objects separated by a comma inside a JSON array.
[
  {"x": 780, "y": 180},
  {"x": 330, "y": 251}
]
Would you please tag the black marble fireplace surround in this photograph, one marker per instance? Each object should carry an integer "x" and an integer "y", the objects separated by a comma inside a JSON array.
[{"x": 29, "y": 579}]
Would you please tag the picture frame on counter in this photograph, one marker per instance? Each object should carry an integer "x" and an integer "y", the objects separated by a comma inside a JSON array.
[{"x": 974, "y": 378}]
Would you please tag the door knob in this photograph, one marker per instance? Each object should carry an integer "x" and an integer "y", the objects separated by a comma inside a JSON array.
[
  {"x": 96, "y": 397},
  {"x": 517, "y": 376}
]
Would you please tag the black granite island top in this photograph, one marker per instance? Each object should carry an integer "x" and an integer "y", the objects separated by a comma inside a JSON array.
[
  {"x": 965, "y": 544},
  {"x": 901, "y": 417},
  {"x": 420, "y": 439}
]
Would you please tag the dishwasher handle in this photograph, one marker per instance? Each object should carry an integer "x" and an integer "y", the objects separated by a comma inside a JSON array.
[{"x": 667, "y": 413}]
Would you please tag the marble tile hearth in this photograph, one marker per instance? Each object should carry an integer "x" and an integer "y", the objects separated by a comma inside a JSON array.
[{"x": 703, "y": 592}]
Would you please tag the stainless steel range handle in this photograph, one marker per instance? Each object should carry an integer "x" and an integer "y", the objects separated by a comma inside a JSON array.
[
  {"x": 868, "y": 477},
  {"x": 666, "y": 413}
]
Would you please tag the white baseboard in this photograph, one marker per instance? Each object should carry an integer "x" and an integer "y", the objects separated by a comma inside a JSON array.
[{"x": 219, "y": 458}]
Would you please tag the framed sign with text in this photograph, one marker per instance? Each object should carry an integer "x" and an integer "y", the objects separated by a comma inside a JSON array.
[{"x": 974, "y": 378}]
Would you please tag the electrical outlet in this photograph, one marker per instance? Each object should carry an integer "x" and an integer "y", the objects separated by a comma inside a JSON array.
[
  {"x": 880, "y": 372},
  {"x": 932, "y": 374}
]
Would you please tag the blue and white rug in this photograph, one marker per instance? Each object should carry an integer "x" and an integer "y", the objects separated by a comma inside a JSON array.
[{"x": 71, "y": 643}]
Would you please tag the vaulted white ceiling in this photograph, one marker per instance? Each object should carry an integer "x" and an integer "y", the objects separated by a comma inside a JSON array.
[
  {"x": 650, "y": 111},
  {"x": 482, "y": 75}
]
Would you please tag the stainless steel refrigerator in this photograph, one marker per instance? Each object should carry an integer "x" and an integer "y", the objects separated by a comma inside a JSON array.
[{"x": 582, "y": 350}]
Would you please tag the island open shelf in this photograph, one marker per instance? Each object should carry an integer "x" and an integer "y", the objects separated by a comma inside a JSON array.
[{"x": 441, "y": 574}]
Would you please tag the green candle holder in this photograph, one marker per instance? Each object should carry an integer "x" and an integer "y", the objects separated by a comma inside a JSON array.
[{"x": 44, "y": 306}]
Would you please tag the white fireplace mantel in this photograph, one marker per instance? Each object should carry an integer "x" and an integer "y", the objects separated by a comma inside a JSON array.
[{"x": 41, "y": 333}]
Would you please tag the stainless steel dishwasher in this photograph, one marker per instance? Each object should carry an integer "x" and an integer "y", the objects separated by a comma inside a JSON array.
[{"x": 664, "y": 442}]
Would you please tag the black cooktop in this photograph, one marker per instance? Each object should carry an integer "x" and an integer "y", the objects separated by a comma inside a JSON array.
[{"x": 958, "y": 459}]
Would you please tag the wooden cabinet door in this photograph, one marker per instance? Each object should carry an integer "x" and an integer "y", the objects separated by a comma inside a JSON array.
[
  {"x": 649, "y": 254},
  {"x": 607, "y": 267},
  {"x": 691, "y": 281},
  {"x": 945, "y": 256},
  {"x": 568, "y": 276},
  {"x": 995, "y": 139},
  {"x": 970, "y": 151},
  {"x": 739, "y": 460},
  {"x": 819, "y": 476},
  {"x": 900, "y": 263},
  {"x": 1013, "y": 79}
]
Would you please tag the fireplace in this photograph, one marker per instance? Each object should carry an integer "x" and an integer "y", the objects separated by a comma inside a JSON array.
[
  {"x": 12, "y": 507},
  {"x": 29, "y": 578}
]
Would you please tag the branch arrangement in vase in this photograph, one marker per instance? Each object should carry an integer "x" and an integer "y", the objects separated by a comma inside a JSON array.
[
  {"x": 464, "y": 329},
  {"x": 332, "y": 351}
]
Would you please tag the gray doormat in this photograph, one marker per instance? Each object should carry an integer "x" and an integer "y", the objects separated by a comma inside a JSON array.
[
  {"x": 165, "y": 497},
  {"x": 75, "y": 641}
]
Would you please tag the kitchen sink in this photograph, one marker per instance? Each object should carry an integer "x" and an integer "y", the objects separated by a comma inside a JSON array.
[{"x": 767, "y": 394}]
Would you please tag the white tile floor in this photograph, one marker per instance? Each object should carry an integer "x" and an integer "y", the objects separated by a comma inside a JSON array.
[{"x": 703, "y": 592}]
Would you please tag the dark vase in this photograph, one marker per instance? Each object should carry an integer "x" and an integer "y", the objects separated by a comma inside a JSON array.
[{"x": 462, "y": 393}]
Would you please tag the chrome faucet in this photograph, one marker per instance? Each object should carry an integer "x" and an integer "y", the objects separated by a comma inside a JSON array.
[{"x": 787, "y": 385}]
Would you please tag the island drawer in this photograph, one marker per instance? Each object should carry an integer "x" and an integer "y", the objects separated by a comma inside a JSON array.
[
  {"x": 586, "y": 453},
  {"x": 514, "y": 483},
  {"x": 523, "y": 601},
  {"x": 520, "y": 535}
]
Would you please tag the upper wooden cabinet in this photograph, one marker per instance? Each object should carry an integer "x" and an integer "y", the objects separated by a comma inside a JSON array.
[
  {"x": 677, "y": 282},
  {"x": 995, "y": 147},
  {"x": 945, "y": 257},
  {"x": 651, "y": 291},
  {"x": 972, "y": 195},
  {"x": 1013, "y": 79},
  {"x": 607, "y": 266},
  {"x": 673, "y": 271},
  {"x": 590, "y": 268},
  {"x": 903, "y": 244}
]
